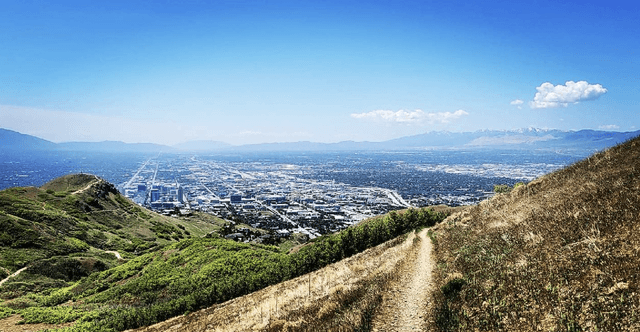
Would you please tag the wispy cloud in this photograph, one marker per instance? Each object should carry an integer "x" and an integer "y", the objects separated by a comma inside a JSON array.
[
  {"x": 550, "y": 96},
  {"x": 517, "y": 102},
  {"x": 609, "y": 127},
  {"x": 409, "y": 117}
]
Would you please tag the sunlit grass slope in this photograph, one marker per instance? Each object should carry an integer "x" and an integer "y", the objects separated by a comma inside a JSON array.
[{"x": 561, "y": 253}]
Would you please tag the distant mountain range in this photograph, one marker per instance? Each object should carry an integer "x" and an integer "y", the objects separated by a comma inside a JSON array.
[{"x": 521, "y": 139}]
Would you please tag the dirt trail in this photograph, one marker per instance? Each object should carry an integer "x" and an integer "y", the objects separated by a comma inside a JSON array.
[
  {"x": 404, "y": 306},
  {"x": 87, "y": 187},
  {"x": 11, "y": 324},
  {"x": 117, "y": 254},
  {"x": 12, "y": 275}
]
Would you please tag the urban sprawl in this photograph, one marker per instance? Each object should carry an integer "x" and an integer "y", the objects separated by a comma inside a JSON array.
[{"x": 267, "y": 196}]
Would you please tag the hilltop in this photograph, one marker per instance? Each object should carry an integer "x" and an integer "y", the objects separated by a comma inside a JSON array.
[
  {"x": 560, "y": 253},
  {"x": 73, "y": 226}
]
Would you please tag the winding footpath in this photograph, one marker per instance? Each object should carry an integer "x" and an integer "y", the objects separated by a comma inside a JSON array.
[
  {"x": 87, "y": 187},
  {"x": 12, "y": 275},
  {"x": 405, "y": 306}
]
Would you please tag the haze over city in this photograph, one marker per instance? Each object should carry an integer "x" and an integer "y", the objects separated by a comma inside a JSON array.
[{"x": 284, "y": 71}]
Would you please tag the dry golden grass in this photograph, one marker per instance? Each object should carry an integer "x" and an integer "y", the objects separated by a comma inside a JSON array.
[
  {"x": 407, "y": 294},
  {"x": 558, "y": 254},
  {"x": 310, "y": 302}
]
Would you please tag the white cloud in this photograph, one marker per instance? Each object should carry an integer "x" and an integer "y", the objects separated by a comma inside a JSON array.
[
  {"x": 409, "y": 117},
  {"x": 609, "y": 127},
  {"x": 550, "y": 96},
  {"x": 517, "y": 102}
]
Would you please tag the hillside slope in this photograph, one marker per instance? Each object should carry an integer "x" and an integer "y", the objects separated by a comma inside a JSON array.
[
  {"x": 560, "y": 253},
  {"x": 167, "y": 281},
  {"x": 73, "y": 226},
  {"x": 340, "y": 297}
]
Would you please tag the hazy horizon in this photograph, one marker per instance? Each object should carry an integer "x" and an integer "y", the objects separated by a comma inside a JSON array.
[
  {"x": 288, "y": 71},
  {"x": 206, "y": 144}
]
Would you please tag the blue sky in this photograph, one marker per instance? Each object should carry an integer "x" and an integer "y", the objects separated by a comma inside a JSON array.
[{"x": 326, "y": 71}]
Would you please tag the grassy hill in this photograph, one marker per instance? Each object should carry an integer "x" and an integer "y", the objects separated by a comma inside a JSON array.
[
  {"x": 62, "y": 231},
  {"x": 561, "y": 253}
]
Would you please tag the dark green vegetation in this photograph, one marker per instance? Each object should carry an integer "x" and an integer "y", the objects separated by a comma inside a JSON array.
[
  {"x": 561, "y": 253},
  {"x": 60, "y": 232},
  {"x": 77, "y": 214}
]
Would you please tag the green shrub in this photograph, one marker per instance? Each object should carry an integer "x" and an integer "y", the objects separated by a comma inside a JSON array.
[
  {"x": 504, "y": 188},
  {"x": 49, "y": 315},
  {"x": 501, "y": 188},
  {"x": 6, "y": 312}
]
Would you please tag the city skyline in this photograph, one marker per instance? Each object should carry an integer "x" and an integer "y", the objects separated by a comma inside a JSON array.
[{"x": 259, "y": 72}]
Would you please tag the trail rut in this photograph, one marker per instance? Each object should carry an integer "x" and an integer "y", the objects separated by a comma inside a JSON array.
[
  {"x": 404, "y": 306},
  {"x": 12, "y": 275}
]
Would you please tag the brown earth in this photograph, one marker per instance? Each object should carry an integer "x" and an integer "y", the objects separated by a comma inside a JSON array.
[
  {"x": 403, "y": 305},
  {"x": 10, "y": 324}
]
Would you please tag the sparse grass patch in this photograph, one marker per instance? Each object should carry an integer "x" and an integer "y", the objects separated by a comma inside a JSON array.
[
  {"x": 343, "y": 310},
  {"x": 346, "y": 308}
]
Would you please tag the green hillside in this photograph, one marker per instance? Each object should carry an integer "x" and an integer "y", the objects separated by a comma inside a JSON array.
[
  {"x": 61, "y": 232},
  {"x": 561, "y": 253}
]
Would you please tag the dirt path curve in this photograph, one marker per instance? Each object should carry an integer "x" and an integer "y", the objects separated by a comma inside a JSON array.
[
  {"x": 12, "y": 275},
  {"x": 87, "y": 187},
  {"x": 404, "y": 306},
  {"x": 117, "y": 254}
]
